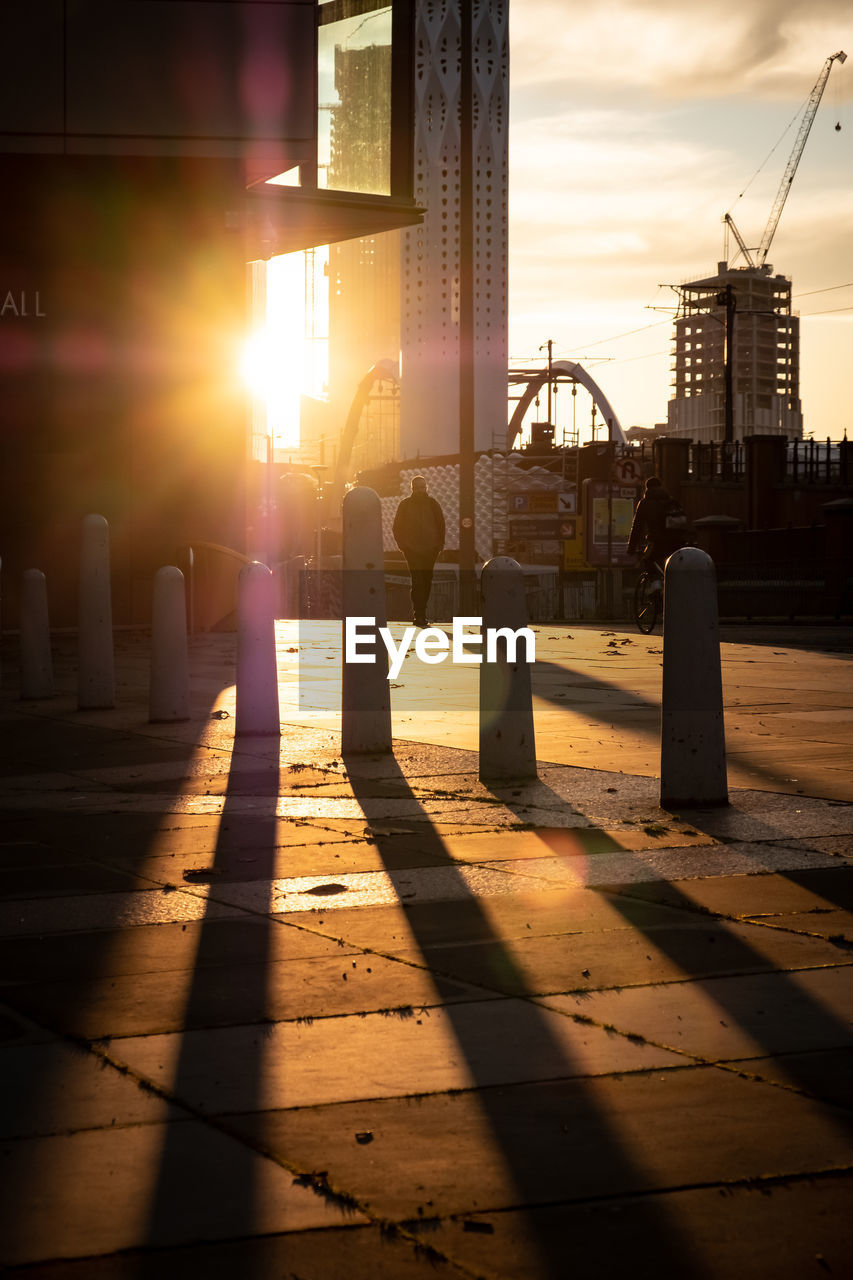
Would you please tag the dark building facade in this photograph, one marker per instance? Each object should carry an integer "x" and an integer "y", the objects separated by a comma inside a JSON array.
[{"x": 136, "y": 145}]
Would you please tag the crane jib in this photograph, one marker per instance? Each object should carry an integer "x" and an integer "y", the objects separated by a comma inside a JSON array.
[{"x": 790, "y": 169}]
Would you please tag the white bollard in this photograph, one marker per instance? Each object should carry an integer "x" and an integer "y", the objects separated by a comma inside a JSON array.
[
  {"x": 257, "y": 670},
  {"x": 507, "y": 740},
  {"x": 365, "y": 692},
  {"x": 169, "y": 683},
  {"x": 96, "y": 668},
  {"x": 693, "y": 746},
  {"x": 36, "y": 659}
]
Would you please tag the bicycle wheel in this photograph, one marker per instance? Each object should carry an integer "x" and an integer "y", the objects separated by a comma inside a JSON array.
[{"x": 646, "y": 602}]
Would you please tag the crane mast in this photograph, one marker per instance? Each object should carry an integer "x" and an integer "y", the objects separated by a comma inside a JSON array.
[{"x": 790, "y": 169}]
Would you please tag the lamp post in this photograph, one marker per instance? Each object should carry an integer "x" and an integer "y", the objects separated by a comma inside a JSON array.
[
  {"x": 467, "y": 539},
  {"x": 726, "y": 298}
]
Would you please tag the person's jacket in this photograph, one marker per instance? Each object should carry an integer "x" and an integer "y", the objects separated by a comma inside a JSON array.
[
  {"x": 419, "y": 525},
  {"x": 649, "y": 532}
]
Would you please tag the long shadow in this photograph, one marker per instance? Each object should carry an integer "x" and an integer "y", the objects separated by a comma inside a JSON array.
[
  {"x": 551, "y": 679},
  {"x": 836, "y": 637},
  {"x": 530, "y": 1142},
  {"x": 634, "y": 702},
  {"x": 740, "y": 958},
  {"x": 56, "y": 860},
  {"x": 200, "y": 1156}
]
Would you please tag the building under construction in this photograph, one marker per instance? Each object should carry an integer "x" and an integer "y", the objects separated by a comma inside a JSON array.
[
  {"x": 755, "y": 383},
  {"x": 736, "y": 356}
]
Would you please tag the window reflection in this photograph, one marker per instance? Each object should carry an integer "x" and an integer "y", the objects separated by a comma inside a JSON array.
[{"x": 354, "y": 95}]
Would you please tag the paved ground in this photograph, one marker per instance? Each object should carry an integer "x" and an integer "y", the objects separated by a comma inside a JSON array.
[{"x": 270, "y": 1013}]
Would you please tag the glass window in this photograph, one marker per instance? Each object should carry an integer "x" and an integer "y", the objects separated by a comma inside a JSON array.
[{"x": 354, "y": 96}]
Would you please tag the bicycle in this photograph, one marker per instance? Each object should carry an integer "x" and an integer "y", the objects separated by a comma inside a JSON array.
[{"x": 648, "y": 598}]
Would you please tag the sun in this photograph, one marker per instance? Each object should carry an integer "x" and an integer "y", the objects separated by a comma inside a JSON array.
[{"x": 285, "y": 358}]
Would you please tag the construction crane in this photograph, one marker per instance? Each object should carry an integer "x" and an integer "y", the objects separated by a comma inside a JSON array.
[{"x": 788, "y": 176}]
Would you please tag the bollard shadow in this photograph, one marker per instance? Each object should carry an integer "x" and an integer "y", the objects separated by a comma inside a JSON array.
[
  {"x": 624, "y": 709},
  {"x": 733, "y": 956},
  {"x": 76, "y": 863},
  {"x": 836, "y": 637},
  {"x": 229, "y": 987},
  {"x": 533, "y": 1141}
]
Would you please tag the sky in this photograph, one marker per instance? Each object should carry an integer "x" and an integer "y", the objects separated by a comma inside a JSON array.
[{"x": 635, "y": 125}]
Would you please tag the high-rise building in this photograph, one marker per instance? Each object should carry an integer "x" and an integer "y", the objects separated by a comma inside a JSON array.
[
  {"x": 430, "y": 264},
  {"x": 395, "y": 297},
  {"x": 765, "y": 357}
]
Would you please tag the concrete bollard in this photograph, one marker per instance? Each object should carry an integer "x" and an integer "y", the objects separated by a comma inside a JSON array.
[
  {"x": 36, "y": 659},
  {"x": 257, "y": 669},
  {"x": 693, "y": 747},
  {"x": 507, "y": 740},
  {"x": 365, "y": 692},
  {"x": 96, "y": 667},
  {"x": 169, "y": 683}
]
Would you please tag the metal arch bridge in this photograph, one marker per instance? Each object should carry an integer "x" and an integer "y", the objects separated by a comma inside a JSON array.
[
  {"x": 385, "y": 370},
  {"x": 536, "y": 380},
  {"x": 382, "y": 371}
]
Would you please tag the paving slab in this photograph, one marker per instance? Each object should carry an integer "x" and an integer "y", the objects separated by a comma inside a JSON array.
[
  {"x": 23, "y": 882},
  {"x": 197, "y": 944},
  {"x": 728, "y": 1018},
  {"x": 403, "y": 1051},
  {"x": 824, "y": 1074},
  {"x": 836, "y": 926},
  {"x": 106, "y": 911},
  {"x": 555, "y": 1141},
  {"x": 657, "y": 954},
  {"x": 16, "y": 1029},
  {"x": 806, "y": 890},
  {"x": 626, "y": 867},
  {"x": 788, "y": 1230},
  {"x": 105, "y": 1190},
  {"x": 528, "y": 913},
  {"x": 214, "y": 866},
  {"x": 354, "y": 1252},
  {"x": 370, "y": 888},
  {"x": 263, "y": 990},
  {"x": 55, "y": 1088},
  {"x": 24, "y": 853},
  {"x": 130, "y": 838}
]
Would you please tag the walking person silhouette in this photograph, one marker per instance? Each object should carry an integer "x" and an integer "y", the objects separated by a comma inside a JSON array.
[{"x": 419, "y": 533}]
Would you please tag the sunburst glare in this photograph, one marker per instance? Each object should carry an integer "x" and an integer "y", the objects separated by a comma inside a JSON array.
[{"x": 286, "y": 358}]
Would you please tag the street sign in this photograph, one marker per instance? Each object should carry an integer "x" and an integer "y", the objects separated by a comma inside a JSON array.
[
  {"x": 539, "y": 501},
  {"x": 535, "y": 502},
  {"x": 535, "y": 528},
  {"x": 627, "y": 471},
  {"x": 609, "y": 511}
]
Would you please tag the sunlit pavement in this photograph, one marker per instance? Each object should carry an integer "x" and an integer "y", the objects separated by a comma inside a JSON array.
[{"x": 269, "y": 1013}]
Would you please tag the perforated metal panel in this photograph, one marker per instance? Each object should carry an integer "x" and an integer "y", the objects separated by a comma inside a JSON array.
[
  {"x": 430, "y": 253},
  {"x": 495, "y": 476}
]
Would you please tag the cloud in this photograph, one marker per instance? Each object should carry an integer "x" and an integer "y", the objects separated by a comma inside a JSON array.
[
  {"x": 613, "y": 188},
  {"x": 768, "y": 47},
  {"x": 634, "y": 126}
]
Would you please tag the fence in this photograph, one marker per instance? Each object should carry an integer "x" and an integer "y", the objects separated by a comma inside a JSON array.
[{"x": 813, "y": 462}]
